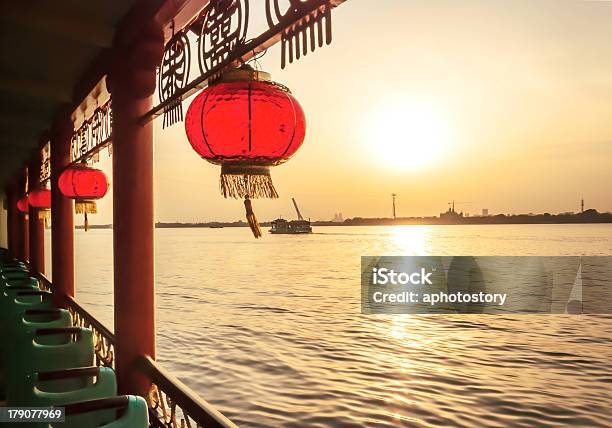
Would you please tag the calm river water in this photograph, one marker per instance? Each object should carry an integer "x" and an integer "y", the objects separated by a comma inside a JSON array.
[{"x": 271, "y": 333}]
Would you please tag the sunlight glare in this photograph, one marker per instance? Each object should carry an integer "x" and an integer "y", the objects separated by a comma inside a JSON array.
[
  {"x": 411, "y": 240},
  {"x": 409, "y": 137}
]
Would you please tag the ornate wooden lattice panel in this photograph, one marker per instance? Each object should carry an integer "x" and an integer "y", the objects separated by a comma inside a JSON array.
[
  {"x": 219, "y": 37},
  {"x": 93, "y": 135},
  {"x": 45, "y": 163}
]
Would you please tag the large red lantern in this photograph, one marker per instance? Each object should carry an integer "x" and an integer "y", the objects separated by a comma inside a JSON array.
[
  {"x": 23, "y": 206},
  {"x": 246, "y": 123},
  {"x": 85, "y": 185},
  {"x": 41, "y": 200}
]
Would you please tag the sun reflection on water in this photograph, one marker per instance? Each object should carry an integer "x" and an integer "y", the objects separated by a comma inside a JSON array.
[{"x": 411, "y": 240}]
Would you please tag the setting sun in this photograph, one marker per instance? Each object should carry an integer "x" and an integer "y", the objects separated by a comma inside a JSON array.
[{"x": 409, "y": 137}]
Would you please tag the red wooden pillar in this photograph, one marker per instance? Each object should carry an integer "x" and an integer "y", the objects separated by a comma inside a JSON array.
[
  {"x": 132, "y": 83},
  {"x": 23, "y": 252},
  {"x": 36, "y": 225},
  {"x": 62, "y": 217},
  {"x": 11, "y": 220}
]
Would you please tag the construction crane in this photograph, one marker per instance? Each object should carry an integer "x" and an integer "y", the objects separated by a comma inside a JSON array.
[{"x": 297, "y": 210}]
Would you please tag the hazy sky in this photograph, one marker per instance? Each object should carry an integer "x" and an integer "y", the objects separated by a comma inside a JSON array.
[{"x": 503, "y": 104}]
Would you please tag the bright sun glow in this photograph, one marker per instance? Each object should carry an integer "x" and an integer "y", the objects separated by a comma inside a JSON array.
[{"x": 409, "y": 137}]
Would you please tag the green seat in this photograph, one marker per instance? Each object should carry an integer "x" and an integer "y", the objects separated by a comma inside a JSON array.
[
  {"x": 12, "y": 270},
  {"x": 23, "y": 286},
  {"x": 48, "y": 349},
  {"x": 14, "y": 301},
  {"x": 127, "y": 411},
  {"x": 12, "y": 266},
  {"x": 60, "y": 387},
  {"x": 136, "y": 415},
  {"x": 31, "y": 320},
  {"x": 10, "y": 275},
  {"x": 26, "y": 280}
]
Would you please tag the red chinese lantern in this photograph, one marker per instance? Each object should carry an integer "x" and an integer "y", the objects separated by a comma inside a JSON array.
[
  {"x": 246, "y": 123},
  {"x": 41, "y": 200},
  {"x": 85, "y": 185},
  {"x": 22, "y": 205}
]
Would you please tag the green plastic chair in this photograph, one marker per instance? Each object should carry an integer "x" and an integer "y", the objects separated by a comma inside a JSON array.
[
  {"x": 5, "y": 328},
  {"x": 29, "y": 321},
  {"x": 26, "y": 280},
  {"x": 37, "y": 318},
  {"x": 13, "y": 304},
  {"x": 52, "y": 388},
  {"x": 13, "y": 275},
  {"x": 48, "y": 349},
  {"x": 23, "y": 286},
  {"x": 12, "y": 266},
  {"x": 16, "y": 300},
  {"x": 32, "y": 319},
  {"x": 12, "y": 271},
  {"x": 128, "y": 411}
]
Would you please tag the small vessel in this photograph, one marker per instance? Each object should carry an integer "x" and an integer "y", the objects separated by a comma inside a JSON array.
[{"x": 282, "y": 226}]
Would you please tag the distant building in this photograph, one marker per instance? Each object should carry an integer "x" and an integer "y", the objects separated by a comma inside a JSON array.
[
  {"x": 485, "y": 212},
  {"x": 451, "y": 214},
  {"x": 338, "y": 218}
]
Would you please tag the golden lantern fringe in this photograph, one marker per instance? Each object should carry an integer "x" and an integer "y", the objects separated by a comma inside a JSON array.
[
  {"x": 250, "y": 215},
  {"x": 45, "y": 216},
  {"x": 86, "y": 207},
  {"x": 240, "y": 186}
]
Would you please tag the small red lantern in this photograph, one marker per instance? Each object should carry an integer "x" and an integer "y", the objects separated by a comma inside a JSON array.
[
  {"x": 23, "y": 206},
  {"x": 246, "y": 123},
  {"x": 41, "y": 200},
  {"x": 85, "y": 185}
]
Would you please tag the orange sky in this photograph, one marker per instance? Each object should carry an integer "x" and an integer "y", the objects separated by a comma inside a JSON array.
[{"x": 506, "y": 105}]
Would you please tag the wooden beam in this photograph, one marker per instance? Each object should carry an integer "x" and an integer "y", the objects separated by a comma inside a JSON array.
[
  {"x": 13, "y": 121},
  {"x": 86, "y": 32},
  {"x": 34, "y": 89},
  {"x": 140, "y": 14}
]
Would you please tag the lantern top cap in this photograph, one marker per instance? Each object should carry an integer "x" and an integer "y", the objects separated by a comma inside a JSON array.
[{"x": 244, "y": 73}]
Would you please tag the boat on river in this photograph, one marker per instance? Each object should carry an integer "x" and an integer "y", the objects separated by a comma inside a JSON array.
[{"x": 280, "y": 226}]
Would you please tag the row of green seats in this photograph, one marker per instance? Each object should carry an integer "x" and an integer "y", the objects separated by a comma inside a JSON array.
[{"x": 46, "y": 362}]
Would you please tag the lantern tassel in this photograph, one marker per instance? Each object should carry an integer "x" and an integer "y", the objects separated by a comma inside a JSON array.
[
  {"x": 83, "y": 207},
  {"x": 45, "y": 216},
  {"x": 250, "y": 215},
  {"x": 240, "y": 186},
  {"x": 86, "y": 207}
]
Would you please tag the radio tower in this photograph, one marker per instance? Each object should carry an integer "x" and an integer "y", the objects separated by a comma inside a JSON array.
[
  {"x": 393, "y": 195},
  {"x": 582, "y": 205}
]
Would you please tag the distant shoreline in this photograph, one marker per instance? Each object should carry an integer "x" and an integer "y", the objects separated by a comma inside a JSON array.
[{"x": 586, "y": 217}]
